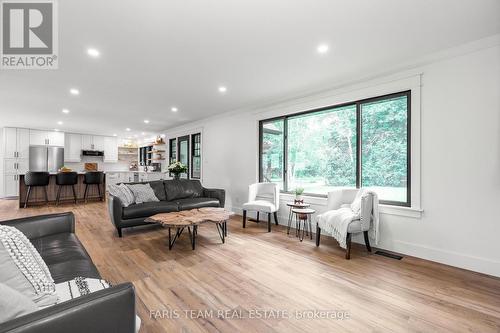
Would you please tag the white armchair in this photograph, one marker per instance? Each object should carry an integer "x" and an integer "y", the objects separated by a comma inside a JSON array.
[
  {"x": 360, "y": 224},
  {"x": 262, "y": 197}
]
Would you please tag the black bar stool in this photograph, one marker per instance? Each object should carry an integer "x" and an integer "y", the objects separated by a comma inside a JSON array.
[
  {"x": 36, "y": 179},
  {"x": 66, "y": 179},
  {"x": 93, "y": 178}
]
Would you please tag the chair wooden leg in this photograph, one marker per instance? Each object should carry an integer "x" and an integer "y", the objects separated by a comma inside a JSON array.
[
  {"x": 268, "y": 222},
  {"x": 318, "y": 234},
  {"x": 27, "y": 197},
  {"x": 276, "y": 218},
  {"x": 258, "y": 220},
  {"x": 244, "y": 218},
  {"x": 348, "y": 249},
  {"x": 367, "y": 241}
]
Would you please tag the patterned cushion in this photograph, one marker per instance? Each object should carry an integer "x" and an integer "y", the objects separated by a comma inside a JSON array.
[
  {"x": 123, "y": 193},
  {"x": 143, "y": 193},
  {"x": 79, "y": 286},
  {"x": 23, "y": 269}
]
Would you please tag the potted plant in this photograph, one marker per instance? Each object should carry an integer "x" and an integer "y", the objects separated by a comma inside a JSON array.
[
  {"x": 177, "y": 168},
  {"x": 298, "y": 194}
]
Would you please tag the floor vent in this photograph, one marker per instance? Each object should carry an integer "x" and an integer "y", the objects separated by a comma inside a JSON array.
[{"x": 388, "y": 255}]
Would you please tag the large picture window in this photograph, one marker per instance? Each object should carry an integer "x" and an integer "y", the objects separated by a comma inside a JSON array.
[{"x": 363, "y": 143}]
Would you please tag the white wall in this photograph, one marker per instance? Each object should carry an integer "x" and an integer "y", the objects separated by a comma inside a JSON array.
[{"x": 460, "y": 158}]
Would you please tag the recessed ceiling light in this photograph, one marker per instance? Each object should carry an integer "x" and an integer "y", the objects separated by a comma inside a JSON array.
[
  {"x": 322, "y": 48},
  {"x": 74, "y": 91},
  {"x": 174, "y": 109},
  {"x": 94, "y": 53},
  {"x": 115, "y": 135},
  {"x": 222, "y": 89},
  {"x": 56, "y": 130},
  {"x": 163, "y": 136},
  {"x": 135, "y": 135},
  {"x": 127, "y": 129},
  {"x": 59, "y": 123},
  {"x": 146, "y": 121},
  {"x": 143, "y": 133},
  {"x": 65, "y": 111}
]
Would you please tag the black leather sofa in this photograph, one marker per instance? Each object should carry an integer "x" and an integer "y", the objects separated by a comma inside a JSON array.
[
  {"x": 108, "y": 310},
  {"x": 174, "y": 195}
]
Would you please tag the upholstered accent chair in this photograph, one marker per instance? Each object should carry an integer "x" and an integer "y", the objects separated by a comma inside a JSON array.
[
  {"x": 265, "y": 198},
  {"x": 360, "y": 224}
]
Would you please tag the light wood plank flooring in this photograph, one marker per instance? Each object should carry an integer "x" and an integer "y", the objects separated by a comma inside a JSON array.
[{"x": 256, "y": 270}]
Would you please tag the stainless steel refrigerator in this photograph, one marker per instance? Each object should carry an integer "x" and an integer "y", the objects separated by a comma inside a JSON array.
[{"x": 43, "y": 158}]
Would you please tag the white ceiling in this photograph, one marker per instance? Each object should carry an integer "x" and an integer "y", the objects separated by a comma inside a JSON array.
[{"x": 158, "y": 54}]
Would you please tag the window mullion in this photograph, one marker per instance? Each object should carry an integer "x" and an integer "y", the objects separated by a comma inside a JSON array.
[
  {"x": 285, "y": 154},
  {"x": 358, "y": 145}
]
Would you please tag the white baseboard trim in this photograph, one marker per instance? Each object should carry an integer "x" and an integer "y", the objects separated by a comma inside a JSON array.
[
  {"x": 456, "y": 259},
  {"x": 452, "y": 258}
]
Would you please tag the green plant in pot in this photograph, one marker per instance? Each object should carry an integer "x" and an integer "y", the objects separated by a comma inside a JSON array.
[
  {"x": 177, "y": 168},
  {"x": 298, "y": 194}
]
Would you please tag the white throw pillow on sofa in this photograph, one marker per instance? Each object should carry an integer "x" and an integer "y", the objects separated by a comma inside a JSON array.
[
  {"x": 13, "y": 304},
  {"x": 143, "y": 193},
  {"x": 23, "y": 269},
  {"x": 123, "y": 193}
]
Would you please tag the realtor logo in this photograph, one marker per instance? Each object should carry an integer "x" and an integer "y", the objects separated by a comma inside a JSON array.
[{"x": 29, "y": 34}]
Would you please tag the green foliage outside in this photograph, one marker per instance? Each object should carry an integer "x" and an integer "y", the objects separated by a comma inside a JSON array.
[{"x": 322, "y": 149}]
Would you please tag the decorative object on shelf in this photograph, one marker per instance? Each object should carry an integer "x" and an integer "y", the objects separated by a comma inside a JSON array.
[
  {"x": 90, "y": 166},
  {"x": 159, "y": 140},
  {"x": 177, "y": 168},
  {"x": 298, "y": 195},
  {"x": 133, "y": 166}
]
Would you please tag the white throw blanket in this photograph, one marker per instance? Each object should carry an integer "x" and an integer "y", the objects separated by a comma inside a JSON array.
[{"x": 336, "y": 222}]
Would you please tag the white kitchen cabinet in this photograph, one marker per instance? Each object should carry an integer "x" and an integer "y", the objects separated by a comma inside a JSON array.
[
  {"x": 87, "y": 142},
  {"x": 23, "y": 143},
  {"x": 15, "y": 165},
  {"x": 98, "y": 142},
  {"x": 11, "y": 185},
  {"x": 110, "y": 149},
  {"x": 72, "y": 147},
  {"x": 16, "y": 143},
  {"x": 55, "y": 139},
  {"x": 46, "y": 138}
]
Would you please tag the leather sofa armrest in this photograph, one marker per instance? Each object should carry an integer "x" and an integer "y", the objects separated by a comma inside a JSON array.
[
  {"x": 44, "y": 225},
  {"x": 116, "y": 210},
  {"x": 216, "y": 193},
  {"x": 111, "y": 310}
]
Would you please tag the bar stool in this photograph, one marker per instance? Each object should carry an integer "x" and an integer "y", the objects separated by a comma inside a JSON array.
[
  {"x": 36, "y": 179},
  {"x": 66, "y": 179},
  {"x": 93, "y": 178}
]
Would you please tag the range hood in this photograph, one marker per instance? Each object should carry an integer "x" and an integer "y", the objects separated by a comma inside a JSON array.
[{"x": 92, "y": 153}]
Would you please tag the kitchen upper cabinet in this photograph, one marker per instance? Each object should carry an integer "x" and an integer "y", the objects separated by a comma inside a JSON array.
[
  {"x": 16, "y": 142},
  {"x": 98, "y": 142},
  {"x": 110, "y": 149},
  {"x": 92, "y": 142},
  {"x": 46, "y": 138},
  {"x": 72, "y": 147},
  {"x": 56, "y": 139},
  {"x": 11, "y": 185}
]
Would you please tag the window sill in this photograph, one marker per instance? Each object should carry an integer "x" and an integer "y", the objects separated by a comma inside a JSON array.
[{"x": 412, "y": 212}]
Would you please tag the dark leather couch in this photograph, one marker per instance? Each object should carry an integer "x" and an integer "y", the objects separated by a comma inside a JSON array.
[
  {"x": 174, "y": 195},
  {"x": 108, "y": 310}
]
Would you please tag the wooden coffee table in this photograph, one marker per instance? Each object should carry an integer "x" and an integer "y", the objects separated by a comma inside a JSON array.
[{"x": 191, "y": 219}]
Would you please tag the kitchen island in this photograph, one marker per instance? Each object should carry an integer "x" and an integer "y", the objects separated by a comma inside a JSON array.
[{"x": 37, "y": 196}]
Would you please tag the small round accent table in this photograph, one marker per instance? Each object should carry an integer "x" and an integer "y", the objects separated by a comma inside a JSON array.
[
  {"x": 293, "y": 205},
  {"x": 303, "y": 215}
]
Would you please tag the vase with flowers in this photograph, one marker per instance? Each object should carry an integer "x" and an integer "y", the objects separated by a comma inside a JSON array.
[
  {"x": 177, "y": 168},
  {"x": 298, "y": 195}
]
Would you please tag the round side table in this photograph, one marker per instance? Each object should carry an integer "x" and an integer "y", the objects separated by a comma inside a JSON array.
[
  {"x": 303, "y": 215},
  {"x": 293, "y": 205}
]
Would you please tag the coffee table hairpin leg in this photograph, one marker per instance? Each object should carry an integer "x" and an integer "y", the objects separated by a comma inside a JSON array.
[
  {"x": 171, "y": 241},
  {"x": 221, "y": 229}
]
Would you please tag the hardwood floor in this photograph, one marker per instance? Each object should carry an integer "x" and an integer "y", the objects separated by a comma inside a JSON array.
[{"x": 275, "y": 272}]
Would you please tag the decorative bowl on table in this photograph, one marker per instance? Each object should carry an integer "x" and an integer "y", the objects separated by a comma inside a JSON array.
[{"x": 65, "y": 169}]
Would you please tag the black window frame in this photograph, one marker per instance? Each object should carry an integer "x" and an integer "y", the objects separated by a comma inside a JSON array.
[
  {"x": 359, "y": 134},
  {"x": 195, "y": 152}
]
